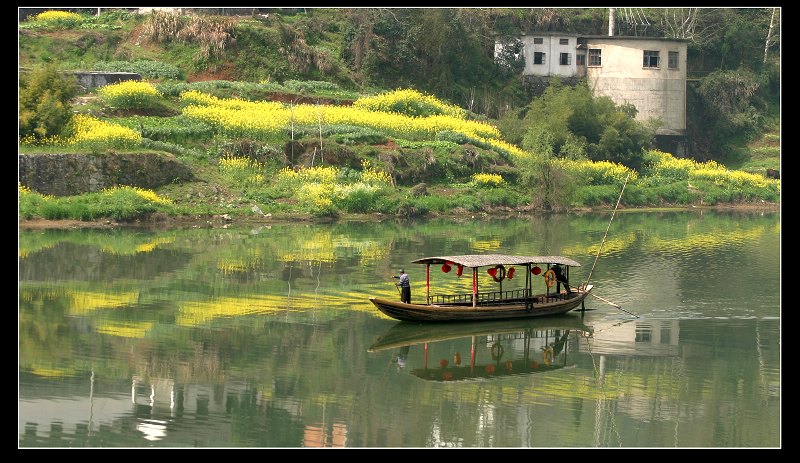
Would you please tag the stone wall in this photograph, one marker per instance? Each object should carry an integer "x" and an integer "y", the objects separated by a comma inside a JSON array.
[
  {"x": 72, "y": 174},
  {"x": 93, "y": 79}
]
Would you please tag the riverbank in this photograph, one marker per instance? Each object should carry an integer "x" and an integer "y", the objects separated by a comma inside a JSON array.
[{"x": 162, "y": 221}]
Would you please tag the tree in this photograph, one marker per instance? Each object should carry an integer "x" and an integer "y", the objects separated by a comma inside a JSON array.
[
  {"x": 772, "y": 37},
  {"x": 729, "y": 110},
  {"x": 569, "y": 122},
  {"x": 44, "y": 102}
]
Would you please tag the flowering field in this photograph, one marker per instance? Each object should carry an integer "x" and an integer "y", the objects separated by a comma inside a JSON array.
[{"x": 419, "y": 123}]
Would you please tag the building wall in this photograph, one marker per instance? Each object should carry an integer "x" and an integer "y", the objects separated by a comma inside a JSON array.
[
  {"x": 552, "y": 49},
  {"x": 656, "y": 92}
]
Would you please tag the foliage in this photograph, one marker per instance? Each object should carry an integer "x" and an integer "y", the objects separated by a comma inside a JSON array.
[
  {"x": 265, "y": 120},
  {"x": 146, "y": 68},
  {"x": 90, "y": 131},
  {"x": 599, "y": 173},
  {"x": 319, "y": 191},
  {"x": 176, "y": 129},
  {"x": 242, "y": 171},
  {"x": 492, "y": 180},
  {"x": 44, "y": 102},
  {"x": 571, "y": 123},
  {"x": 551, "y": 186},
  {"x": 409, "y": 102},
  {"x": 119, "y": 203},
  {"x": 730, "y": 108},
  {"x": 55, "y": 19},
  {"x": 130, "y": 94},
  {"x": 212, "y": 34},
  {"x": 413, "y": 47},
  {"x": 576, "y": 149}
]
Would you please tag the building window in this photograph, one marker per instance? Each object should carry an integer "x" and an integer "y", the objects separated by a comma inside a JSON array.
[
  {"x": 594, "y": 57},
  {"x": 563, "y": 41},
  {"x": 538, "y": 40},
  {"x": 672, "y": 60},
  {"x": 538, "y": 57},
  {"x": 650, "y": 59},
  {"x": 566, "y": 59},
  {"x": 644, "y": 334},
  {"x": 580, "y": 59}
]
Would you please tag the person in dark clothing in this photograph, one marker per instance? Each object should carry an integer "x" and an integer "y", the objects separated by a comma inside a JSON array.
[
  {"x": 405, "y": 286},
  {"x": 561, "y": 278}
]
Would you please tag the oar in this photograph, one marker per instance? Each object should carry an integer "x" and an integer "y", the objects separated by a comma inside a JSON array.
[
  {"x": 398, "y": 288},
  {"x": 615, "y": 305}
]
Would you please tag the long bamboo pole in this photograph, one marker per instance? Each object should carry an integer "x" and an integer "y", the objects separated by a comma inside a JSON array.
[{"x": 607, "y": 228}]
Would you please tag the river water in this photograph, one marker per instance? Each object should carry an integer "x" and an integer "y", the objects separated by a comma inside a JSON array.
[{"x": 265, "y": 337}]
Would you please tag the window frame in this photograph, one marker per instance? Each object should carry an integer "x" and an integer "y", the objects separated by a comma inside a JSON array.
[
  {"x": 647, "y": 59},
  {"x": 561, "y": 58},
  {"x": 580, "y": 59},
  {"x": 595, "y": 57},
  {"x": 563, "y": 41},
  {"x": 538, "y": 40},
  {"x": 672, "y": 63},
  {"x": 539, "y": 54}
]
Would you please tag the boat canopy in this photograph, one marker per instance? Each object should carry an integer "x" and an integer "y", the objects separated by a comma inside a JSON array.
[{"x": 487, "y": 260}]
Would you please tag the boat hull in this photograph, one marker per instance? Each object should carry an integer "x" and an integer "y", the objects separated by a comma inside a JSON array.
[{"x": 449, "y": 313}]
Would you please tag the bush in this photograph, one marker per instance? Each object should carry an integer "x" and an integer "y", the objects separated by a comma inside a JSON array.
[
  {"x": 130, "y": 94},
  {"x": 361, "y": 201},
  {"x": 44, "y": 103},
  {"x": 119, "y": 203}
]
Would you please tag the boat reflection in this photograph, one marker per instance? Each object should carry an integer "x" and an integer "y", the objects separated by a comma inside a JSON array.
[{"x": 484, "y": 350}]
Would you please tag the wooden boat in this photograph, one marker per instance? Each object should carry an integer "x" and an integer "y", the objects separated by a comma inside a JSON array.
[
  {"x": 495, "y": 304},
  {"x": 490, "y": 349}
]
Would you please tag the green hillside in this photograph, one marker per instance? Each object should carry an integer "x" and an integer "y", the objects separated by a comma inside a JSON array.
[{"x": 320, "y": 66}]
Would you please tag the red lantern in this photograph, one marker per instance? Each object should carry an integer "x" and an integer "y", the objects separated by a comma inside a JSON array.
[
  {"x": 459, "y": 270},
  {"x": 536, "y": 270},
  {"x": 447, "y": 376},
  {"x": 511, "y": 273},
  {"x": 492, "y": 271},
  {"x": 445, "y": 268},
  {"x": 456, "y": 359},
  {"x": 534, "y": 364},
  {"x": 490, "y": 369},
  {"x": 443, "y": 363}
]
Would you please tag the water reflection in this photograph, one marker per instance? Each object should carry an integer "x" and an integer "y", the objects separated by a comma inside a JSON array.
[
  {"x": 490, "y": 349},
  {"x": 243, "y": 338}
]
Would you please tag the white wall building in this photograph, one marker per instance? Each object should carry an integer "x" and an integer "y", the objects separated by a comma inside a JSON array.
[{"x": 647, "y": 72}]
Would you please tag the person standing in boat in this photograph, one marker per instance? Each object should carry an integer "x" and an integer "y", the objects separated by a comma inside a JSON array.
[
  {"x": 405, "y": 286},
  {"x": 561, "y": 278}
]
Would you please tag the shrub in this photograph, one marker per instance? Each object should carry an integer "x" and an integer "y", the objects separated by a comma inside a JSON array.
[
  {"x": 491, "y": 180},
  {"x": 130, "y": 94},
  {"x": 54, "y": 19},
  {"x": 44, "y": 103}
]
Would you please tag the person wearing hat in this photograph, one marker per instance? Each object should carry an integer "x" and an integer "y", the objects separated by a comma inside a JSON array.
[{"x": 404, "y": 285}]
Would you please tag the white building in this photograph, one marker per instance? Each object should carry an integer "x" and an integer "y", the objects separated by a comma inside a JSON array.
[{"x": 647, "y": 72}]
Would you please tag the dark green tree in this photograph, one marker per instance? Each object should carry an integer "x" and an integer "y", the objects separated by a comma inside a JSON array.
[{"x": 728, "y": 107}]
